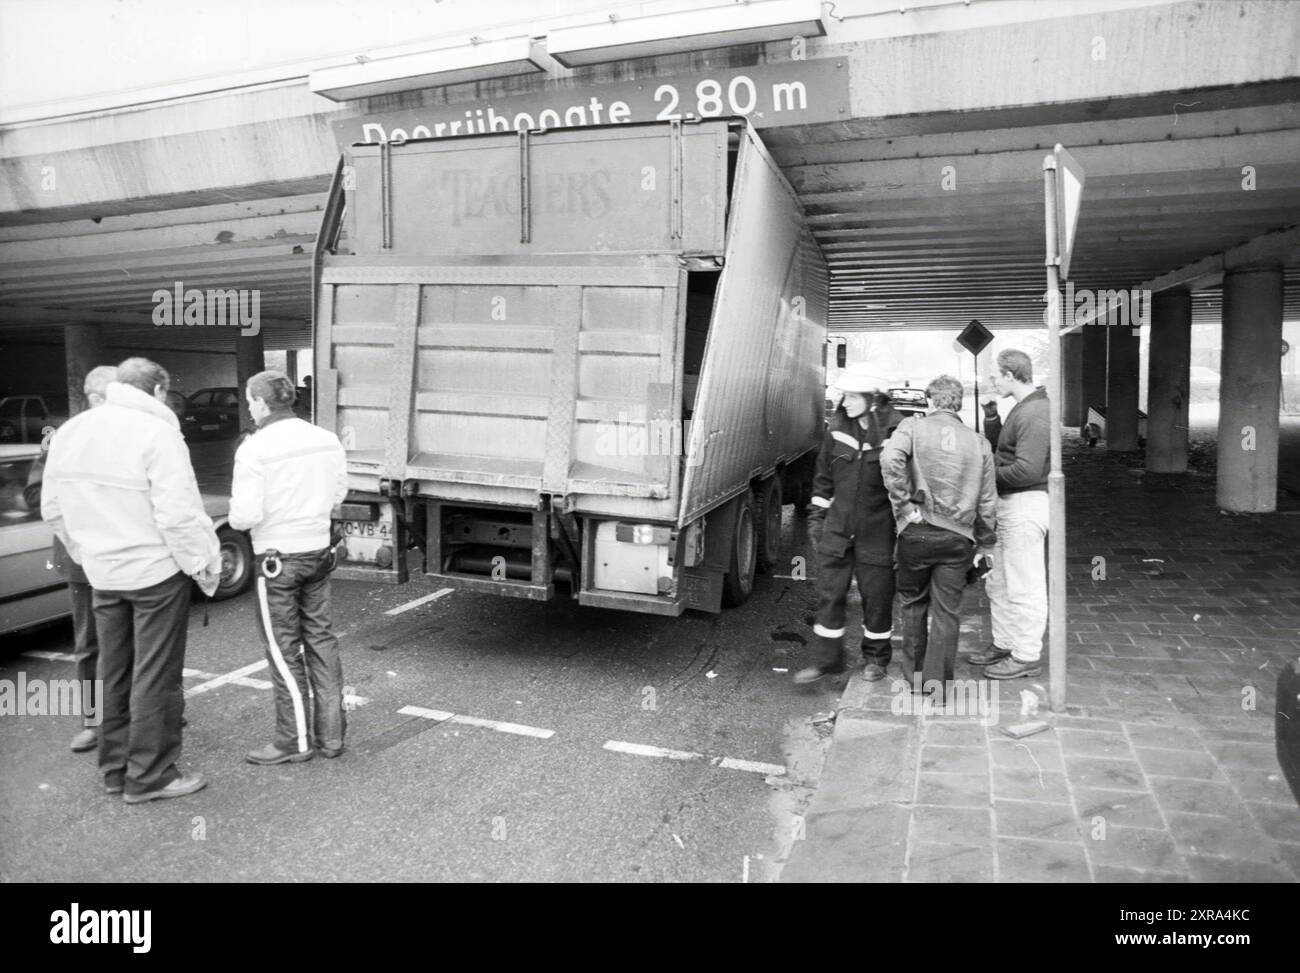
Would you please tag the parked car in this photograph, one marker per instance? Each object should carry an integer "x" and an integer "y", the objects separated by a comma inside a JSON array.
[
  {"x": 909, "y": 401},
  {"x": 211, "y": 414},
  {"x": 24, "y": 418},
  {"x": 177, "y": 403},
  {"x": 33, "y": 592}
]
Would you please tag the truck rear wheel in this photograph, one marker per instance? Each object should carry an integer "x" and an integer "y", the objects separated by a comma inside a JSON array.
[
  {"x": 738, "y": 582},
  {"x": 767, "y": 515}
]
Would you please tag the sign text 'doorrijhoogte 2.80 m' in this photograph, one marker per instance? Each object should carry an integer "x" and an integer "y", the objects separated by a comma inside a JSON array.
[{"x": 788, "y": 93}]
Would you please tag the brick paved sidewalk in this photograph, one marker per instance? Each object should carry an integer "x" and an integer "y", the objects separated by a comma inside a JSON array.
[{"x": 1163, "y": 768}]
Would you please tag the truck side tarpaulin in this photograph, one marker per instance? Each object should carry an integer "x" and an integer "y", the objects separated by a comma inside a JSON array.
[{"x": 761, "y": 390}]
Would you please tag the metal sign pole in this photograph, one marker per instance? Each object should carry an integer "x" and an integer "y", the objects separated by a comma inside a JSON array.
[{"x": 1056, "y": 591}]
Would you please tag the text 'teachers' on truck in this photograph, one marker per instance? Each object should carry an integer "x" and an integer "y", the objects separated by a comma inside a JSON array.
[{"x": 581, "y": 362}]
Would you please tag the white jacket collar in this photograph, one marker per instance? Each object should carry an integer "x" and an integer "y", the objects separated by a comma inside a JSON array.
[{"x": 131, "y": 397}]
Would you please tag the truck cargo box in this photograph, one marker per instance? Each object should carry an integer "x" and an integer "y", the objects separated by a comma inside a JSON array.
[{"x": 538, "y": 345}]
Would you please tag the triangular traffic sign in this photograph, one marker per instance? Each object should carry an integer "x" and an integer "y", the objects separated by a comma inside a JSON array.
[{"x": 1069, "y": 193}]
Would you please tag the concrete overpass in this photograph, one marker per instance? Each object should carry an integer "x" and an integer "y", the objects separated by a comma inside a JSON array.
[{"x": 925, "y": 192}]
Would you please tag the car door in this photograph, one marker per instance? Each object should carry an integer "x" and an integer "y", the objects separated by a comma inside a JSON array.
[
  {"x": 226, "y": 408},
  {"x": 32, "y": 591}
]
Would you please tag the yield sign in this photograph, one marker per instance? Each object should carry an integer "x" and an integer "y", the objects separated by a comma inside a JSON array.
[{"x": 1069, "y": 191}]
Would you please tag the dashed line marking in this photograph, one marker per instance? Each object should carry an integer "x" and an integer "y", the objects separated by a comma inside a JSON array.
[
  {"x": 729, "y": 763},
  {"x": 442, "y": 716},
  {"x": 423, "y": 600}
]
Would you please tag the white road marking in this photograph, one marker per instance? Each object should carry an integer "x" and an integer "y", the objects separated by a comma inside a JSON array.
[
  {"x": 240, "y": 681},
  {"x": 500, "y": 726},
  {"x": 729, "y": 763},
  {"x": 644, "y": 750},
  {"x": 239, "y": 678},
  {"x": 753, "y": 766},
  {"x": 419, "y": 601},
  {"x": 229, "y": 677},
  {"x": 51, "y": 656}
]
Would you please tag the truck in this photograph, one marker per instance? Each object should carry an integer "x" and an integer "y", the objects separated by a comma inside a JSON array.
[{"x": 579, "y": 362}]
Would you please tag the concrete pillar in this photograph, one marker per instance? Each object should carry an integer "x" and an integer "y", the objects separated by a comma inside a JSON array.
[
  {"x": 1093, "y": 366},
  {"x": 1169, "y": 361},
  {"x": 1072, "y": 410},
  {"x": 83, "y": 349},
  {"x": 249, "y": 360},
  {"x": 1122, "y": 388},
  {"x": 1249, "y": 386}
]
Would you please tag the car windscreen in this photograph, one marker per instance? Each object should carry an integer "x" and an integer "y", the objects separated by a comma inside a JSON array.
[
  {"x": 910, "y": 396},
  {"x": 19, "y": 503}
]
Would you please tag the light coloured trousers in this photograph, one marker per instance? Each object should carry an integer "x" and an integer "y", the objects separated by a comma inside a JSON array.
[{"x": 1017, "y": 585}]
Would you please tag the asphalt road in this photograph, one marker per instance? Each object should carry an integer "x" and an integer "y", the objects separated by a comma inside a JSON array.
[{"x": 415, "y": 798}]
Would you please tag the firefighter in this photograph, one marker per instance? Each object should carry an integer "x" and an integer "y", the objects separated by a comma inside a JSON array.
[
  {"x": 289, "y": 476},
  {"x": 851, "y": 528}
]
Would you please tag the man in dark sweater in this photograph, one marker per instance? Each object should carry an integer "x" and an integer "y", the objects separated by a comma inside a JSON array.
[{"x": 1017, "y": 585}]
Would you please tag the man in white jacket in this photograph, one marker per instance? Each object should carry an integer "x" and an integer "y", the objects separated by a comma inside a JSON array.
[
  {"x": 120, "y": 493},
  {"x": 289, "y": 477}
]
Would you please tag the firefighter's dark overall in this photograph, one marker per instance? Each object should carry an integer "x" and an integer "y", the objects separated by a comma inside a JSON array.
[{"x": 851, "y": 523}]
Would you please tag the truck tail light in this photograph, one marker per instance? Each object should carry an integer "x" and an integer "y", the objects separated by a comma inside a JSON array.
[{"x": 643, "y": 534}]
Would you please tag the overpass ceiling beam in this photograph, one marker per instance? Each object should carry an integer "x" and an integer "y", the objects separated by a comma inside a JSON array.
[
  {"x": 1101, "y": 162},
  {"x": 1278, "y": 247},
  {"x": 158, "y": 218},
  {"x": 834, "y": 148},
  {"x": 35, "y": 318},
  {"x": 210, "y": 260},
  {"x": 266, "y": 230}
]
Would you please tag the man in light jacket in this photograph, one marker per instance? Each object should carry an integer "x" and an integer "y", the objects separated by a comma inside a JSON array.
[
  {"x": 939, "y": 474},
  {"x": 289, "y": 476},
  {"x": 120, "y": 494},
  {"x": 84, "y": 638}
]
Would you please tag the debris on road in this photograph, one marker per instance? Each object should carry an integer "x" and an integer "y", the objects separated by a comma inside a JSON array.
[{"x": 1018, "y": 731}]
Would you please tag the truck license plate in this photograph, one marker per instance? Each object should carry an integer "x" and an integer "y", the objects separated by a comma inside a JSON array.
[{"x": 364, "y": 538}]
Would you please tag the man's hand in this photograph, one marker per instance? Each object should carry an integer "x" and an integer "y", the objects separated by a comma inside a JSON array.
[
  {"x": 816, "y": 524},
  {"x": 209, "y": 578}
]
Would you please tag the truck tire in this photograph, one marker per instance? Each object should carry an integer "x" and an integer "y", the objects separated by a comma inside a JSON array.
[
  {"x": 767, "y": 519},
  {"x": 236, "y": 564},
  {"x": 1286, "y": 725},
  {"x": 738, "y": 582}
]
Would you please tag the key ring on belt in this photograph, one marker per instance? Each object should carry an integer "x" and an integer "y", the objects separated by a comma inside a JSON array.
[{"x": 271, "y": 565}]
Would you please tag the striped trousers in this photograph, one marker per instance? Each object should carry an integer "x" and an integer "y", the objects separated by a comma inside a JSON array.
[
  {"x": 876, "y": 587},
  {"x": 306, "y": 673}
]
